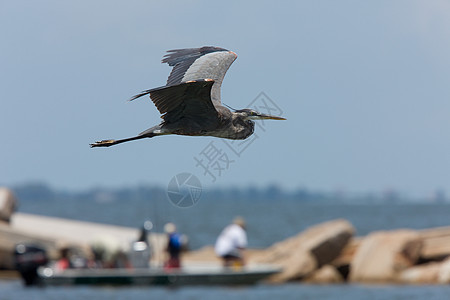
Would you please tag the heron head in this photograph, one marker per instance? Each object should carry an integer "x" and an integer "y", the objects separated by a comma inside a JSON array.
[{"x": 250, "y": 114}]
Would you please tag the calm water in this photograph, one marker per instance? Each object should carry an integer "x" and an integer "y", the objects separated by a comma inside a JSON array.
[
  {"x": 268, "y": 222},
  {"x": 13, "y": 290}
]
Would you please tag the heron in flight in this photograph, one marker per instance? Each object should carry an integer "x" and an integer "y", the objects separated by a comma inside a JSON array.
[{"x": 190, "y": 101}]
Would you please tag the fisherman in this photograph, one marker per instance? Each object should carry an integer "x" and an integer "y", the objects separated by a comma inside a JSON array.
[
  {"x": 175, "y": 244},
  {"x": 231, "y": 243},
  {"x": 141, "y": 251},
  {"x": 63, "y": 262}
]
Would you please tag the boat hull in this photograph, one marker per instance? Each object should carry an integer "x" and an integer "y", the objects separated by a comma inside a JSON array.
[{"x": 188, "y": 276}]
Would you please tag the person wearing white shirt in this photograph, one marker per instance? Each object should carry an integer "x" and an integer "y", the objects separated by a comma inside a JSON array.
[{"x": 231, "y": 243}]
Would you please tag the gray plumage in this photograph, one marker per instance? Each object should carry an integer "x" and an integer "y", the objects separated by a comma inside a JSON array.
[{"x": 190, "y": 102}]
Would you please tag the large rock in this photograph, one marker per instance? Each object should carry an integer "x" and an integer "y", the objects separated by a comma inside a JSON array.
[
  {"x": 347, "y": 254},
  {"x": 294, "y": 260},
  {"x": 300, "y": 255},
  {"x": 342, "y": 262},
  {"x": 383, "y": 255},
  {"x": 326, "y": 241},
  {"x": 421, "y": 274},
  {"x": 8, "y": 204},
  {"x": 429, "y": 273},
  {"x": 444, "y": 272},
  {"x": 296, "y": 266},
  {"x": 325, "y": 275},
  {"x": 436, "y": 243}
]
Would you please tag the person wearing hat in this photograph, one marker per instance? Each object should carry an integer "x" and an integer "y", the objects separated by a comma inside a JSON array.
[{"x": 231, "y": 243}]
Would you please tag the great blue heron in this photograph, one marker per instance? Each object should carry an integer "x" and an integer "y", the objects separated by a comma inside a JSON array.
[{"x": 190, "y": 101}]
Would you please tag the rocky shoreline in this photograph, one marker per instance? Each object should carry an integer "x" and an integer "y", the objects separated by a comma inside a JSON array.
[{"x": 330, "y": 253}]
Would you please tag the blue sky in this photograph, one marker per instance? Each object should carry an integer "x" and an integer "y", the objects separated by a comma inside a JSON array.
[{"x": 364, "y": 86}]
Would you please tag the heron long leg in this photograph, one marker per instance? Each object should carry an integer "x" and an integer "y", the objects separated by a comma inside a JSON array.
[
  {"x": 149, "y": 133},
  {"x": 107, "y": 143}
]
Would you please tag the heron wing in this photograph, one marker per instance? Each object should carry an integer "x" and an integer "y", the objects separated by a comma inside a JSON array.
[
  {"x": 200, "y": 63},
  {"x": 190, "y": 100}
]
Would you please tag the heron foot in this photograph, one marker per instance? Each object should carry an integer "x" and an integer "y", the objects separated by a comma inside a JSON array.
[{"x": 103, "y": 143}]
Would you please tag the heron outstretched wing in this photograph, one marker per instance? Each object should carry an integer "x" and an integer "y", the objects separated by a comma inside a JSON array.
[
  {"x": 190, "y": 100},
  {"x": 200, "y": 63}
]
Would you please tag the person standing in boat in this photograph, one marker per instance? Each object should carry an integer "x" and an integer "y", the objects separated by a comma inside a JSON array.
[
  {"x": 63, "y": 262},
  {"x": 175, "y": 244},
  {"x": 141, "y": 250},
  {"x": 231, "y": 243}
]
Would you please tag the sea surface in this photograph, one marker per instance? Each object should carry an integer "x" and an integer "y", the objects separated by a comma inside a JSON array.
[
  {"x": 268, "y": 222},
  {"x": 13, "y": 290}
]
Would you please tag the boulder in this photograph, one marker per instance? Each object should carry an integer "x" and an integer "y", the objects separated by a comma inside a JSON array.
[
  {"x": 429, "y": 273},
  {"x": 300, "y": 255},
  {"x": 342, "y": 262},
  {"x": 8, "y": 204},
  {"x": 436, "y": 243},
  {"x": 383, "y": 255},
  {"x": 325, "y": 275},
  {"x": 444, "y": 272},
  {"x": 421, "y": 274},
  {"x": 326, "y": 241},
  {"x": 347, "y": 254},
  {"x": 296, "y": 266}
]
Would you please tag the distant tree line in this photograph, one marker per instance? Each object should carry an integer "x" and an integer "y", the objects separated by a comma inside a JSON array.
[
  {"x": 39, "y": 192},
  {"x": 42, "y": 192}
]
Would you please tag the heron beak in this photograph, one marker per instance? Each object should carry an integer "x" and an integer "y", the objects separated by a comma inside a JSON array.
[{"x": 267, "y": 117}]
